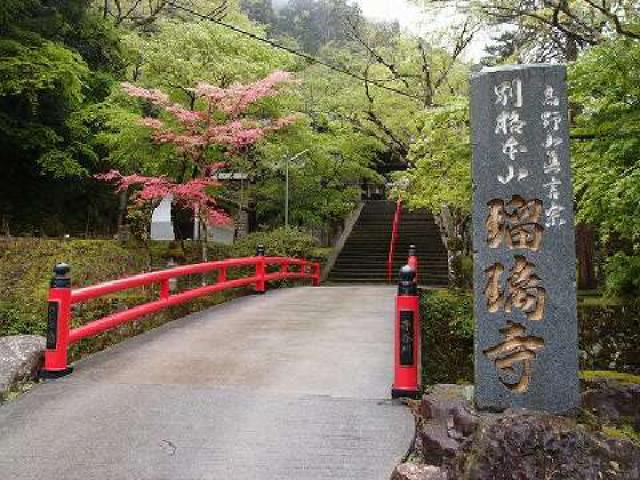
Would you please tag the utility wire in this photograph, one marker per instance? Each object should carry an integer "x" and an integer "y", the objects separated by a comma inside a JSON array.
[{"x": 292, "y": 51}]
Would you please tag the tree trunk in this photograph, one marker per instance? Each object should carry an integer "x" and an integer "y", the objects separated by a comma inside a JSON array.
[
  {"x": 123, "y": 200},
  {"x": 252, "y": 216},
  {"x": 451, "y": 233},
  {"x": 203, "y": 241},
  {"x": 585, "y": 253}
]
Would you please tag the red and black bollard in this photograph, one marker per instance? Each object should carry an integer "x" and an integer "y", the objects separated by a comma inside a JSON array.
[
  {"x": 407, "y": 337},
  {"x": 58, "y": 323}
]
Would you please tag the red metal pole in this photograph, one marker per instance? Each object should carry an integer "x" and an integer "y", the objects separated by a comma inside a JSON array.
[
  {"x": 165, "y": 291},
  {"x": 58, "y": 322},
  {"x": 261, "y": 284},
  {"x": 222, "y": 275},
  {"x": 394, "y": 239},
  {"x": 316, "y": 275},
  {"x": 407, "y": 337},
  {"x": 284, "y": 267}
]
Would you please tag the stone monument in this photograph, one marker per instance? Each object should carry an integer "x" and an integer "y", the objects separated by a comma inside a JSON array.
[
  {"x": 526, "y": 345},
  {"x": 161, "y": 224}
]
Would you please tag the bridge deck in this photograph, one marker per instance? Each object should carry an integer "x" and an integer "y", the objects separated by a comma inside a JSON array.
[{"x": 289, "y": 385}]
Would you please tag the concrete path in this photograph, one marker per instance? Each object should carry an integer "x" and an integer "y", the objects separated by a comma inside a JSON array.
[{"x": 290, "y": 385}]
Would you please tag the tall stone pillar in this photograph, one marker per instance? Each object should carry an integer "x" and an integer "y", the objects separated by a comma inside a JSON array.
[{"x": 526, "y": 345}]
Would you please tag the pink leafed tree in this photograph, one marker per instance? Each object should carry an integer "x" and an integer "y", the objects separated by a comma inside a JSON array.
[{"x": 223, "y": 123}]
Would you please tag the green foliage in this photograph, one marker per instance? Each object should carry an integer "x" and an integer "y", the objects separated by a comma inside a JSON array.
[
  {"x": 126, "y": 144},
  {"x": 181, "y": 54},
  {"x": 26, "y": 270},
  {"x": 30, "y": 69},
  {"x": 42, "y": 84},
  {"x": 623, "y": 432},
  {"x": 605, "y": 83},
  {"x": 441, "y": 175},
  {"x": 623, "y": 276},
  {"x": 280, "y": 242},
  {"x": 610, "y": 336},
  {"x": 56, "y": 58},
  {"x": 447, "y": 336},
  {"x": 324, "y": 181},
  {"x": 466, "y": 272},
  {"x": 315, "y": 23}
]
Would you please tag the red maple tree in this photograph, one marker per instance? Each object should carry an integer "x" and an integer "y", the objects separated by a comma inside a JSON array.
[{"x": 223, "y": 123}]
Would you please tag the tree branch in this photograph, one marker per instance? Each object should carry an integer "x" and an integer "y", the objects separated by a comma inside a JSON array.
[
  {"x": 355, "y": 34},
  {"x": 615, "y": 18}
]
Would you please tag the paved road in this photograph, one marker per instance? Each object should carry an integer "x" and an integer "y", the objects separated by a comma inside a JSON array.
[{"x": 290, "y": 385}]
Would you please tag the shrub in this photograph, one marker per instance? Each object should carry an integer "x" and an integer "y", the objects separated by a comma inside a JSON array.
[
  {"x": 26, "y": 268},
  {"x": 610, "y": 336},
  {"x": 447, "y": 336},
  {"x": 282, "y": 242},
  {"x": 623, "y": 276}
]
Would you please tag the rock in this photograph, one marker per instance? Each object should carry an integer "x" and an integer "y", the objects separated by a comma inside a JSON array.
[
  {"x": 445, "y": 423},
  {"x": 411, "y": 471},
  {"x": 457, "y": 442},
  {"x": 531, "y": 446},
  {"x": 20, "y": 359},
  {"x": 611, "y": 400}
]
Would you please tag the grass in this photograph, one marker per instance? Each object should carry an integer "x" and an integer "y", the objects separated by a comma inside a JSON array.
[
  {"x": 610, "y": 375},
  {"x": 623, "y": 432}
]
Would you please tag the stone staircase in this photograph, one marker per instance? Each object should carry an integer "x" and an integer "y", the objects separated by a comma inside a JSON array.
[{"x": 364, "y": 256}]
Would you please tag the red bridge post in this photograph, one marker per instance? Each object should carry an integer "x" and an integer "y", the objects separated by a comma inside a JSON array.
[
  {"x": 317, "y": 274},
  {"x": 261, "y": 284},
  {"x": 58, "y": 324},
  {"x": 407, "y": 337}
]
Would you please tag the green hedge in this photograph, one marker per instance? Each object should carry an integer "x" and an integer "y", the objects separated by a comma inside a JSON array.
[
  {"x": 609, "y": 336},
  {"x": 447, "y": 336}
]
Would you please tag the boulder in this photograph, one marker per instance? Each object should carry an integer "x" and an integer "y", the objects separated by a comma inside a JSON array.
[
  {"x": 458, "y": 442},
  {"x": 611, "y": 400},
  {"x": 531, "y": 446},
  {"x": 411, "y": 471},
  {"x": 20, "y": 358},
  {"x": 445, "y": 422}
]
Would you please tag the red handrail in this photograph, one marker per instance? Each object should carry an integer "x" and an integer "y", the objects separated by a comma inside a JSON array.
[
  {"x": 394, "y": 240},
  {"x": 62, "y": 297}
]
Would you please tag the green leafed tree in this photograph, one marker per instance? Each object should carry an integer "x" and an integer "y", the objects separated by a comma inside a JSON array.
[
  {"x": 181, "y": 54},
  {"x": 605, "y": 83},
  {"x": 440, "y": 177},
  {"x": 56, "y": 58},
  {"x": 324, "y": 181}
]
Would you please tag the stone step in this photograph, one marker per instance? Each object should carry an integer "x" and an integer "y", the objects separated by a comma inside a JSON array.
[{"x": 365, "y": 253}]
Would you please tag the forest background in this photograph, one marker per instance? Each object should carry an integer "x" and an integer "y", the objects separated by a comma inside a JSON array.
[{"x": 369, "y": 99}]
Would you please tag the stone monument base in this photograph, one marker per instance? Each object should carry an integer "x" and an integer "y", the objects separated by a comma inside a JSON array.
[{"x": 454, "y": 441}]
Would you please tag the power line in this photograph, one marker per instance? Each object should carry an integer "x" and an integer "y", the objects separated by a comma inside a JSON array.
[{"x": 292, "y": 51}]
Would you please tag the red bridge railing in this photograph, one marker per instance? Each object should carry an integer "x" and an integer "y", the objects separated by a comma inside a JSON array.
[
  {"x": 61, "y": 297},
  {"x": 394, "y": 240}
]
